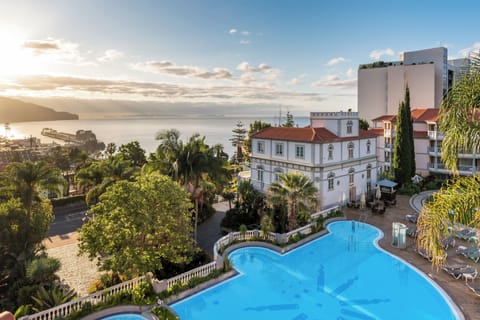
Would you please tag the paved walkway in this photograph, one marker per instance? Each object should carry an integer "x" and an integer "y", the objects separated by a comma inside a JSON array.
[
  {"x": 209, "y": 231},
  {"x": 418, "y": 200}
]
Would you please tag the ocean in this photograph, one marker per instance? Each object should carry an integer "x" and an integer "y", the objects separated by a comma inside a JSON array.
[{"x": 121, "y": 131}]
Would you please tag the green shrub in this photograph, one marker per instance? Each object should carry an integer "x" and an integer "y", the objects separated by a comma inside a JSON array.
[{"x": 163, "y": 313}]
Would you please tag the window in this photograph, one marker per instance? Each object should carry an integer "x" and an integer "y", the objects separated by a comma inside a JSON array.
[
  {"x": 260, "y": 173},
  {"x": 261, "y": 147},
  {"x": 279, "y": 149},
  {"x": 330, "y": 179},
  {"x": 351, "y": 146},
  {"x": 349, "y": 126},
  {"x": 330, "y": 151},
  {"x": 369, "y": 146},
  {"x": 351, "y": 175},
  {"x": 369, "y": 171},
  {"x": 299, "y": 151},
  {"x": 276, "y": 174}
]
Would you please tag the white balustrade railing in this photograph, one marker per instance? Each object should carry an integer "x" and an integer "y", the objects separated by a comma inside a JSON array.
[
  {"x": 199, "y": 272},
  {"x": 66, "y": 309}
]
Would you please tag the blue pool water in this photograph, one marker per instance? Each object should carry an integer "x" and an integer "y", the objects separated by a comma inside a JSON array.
[
  {"x": 342, "y": 276},
  {"x": 124, "y": 316}
]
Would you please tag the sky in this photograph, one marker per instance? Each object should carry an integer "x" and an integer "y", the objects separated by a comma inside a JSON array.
[{"x": 250, "y": 56}]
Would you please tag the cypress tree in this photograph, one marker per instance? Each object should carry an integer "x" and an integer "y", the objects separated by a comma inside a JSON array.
[
  {"x": 408, "y": 111},
  {"x": 402, "y": 147}
]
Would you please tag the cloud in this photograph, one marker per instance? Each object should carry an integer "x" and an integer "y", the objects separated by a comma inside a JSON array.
[
  {"x": 351, "y": 73},
  {"x": 246, "y": 67},
  {"x": 58, "y": 50},
  {"x": 334, "y": 81},
  {"x": 465, "y": 52},
  {"x": 244, "y": 42},
  {"x": 135, "y": 90},
  {"x": 170, "y": 68},
  {"x": 111, "y": 55},
  {"x": 40, "y": 46},
  {"x": 233, "y": 31},
  {"x": 245, "y": 33},
  {"x": 297, "y": 80},
  {"x": 377, "y": 54},
  {"x": 335, "y": 61}
]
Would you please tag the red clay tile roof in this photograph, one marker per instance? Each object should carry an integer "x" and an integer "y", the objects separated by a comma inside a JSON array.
[
  {"x": 320, "y": 135},
  {"x": 385, "y": 117},
  {"x": 427, "y": 114},
  {"x": 378, "y": 131},
  {"x": 418, "y": 115}
]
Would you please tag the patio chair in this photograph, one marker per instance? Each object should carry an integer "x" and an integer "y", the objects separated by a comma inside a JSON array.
[{"x": 475, "y": 287}]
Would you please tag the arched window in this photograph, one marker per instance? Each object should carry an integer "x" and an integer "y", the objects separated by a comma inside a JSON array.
[
  {"x": 369, "y": 171},
  {"x": 369, "y": 146},
  {"x": 349, "y": 126},
  {"x": 351, "y": 146},
  {"x": 330, "y": 151},
  {"x": 351, "y": 175},
  {"x": 330, "y": 179}
]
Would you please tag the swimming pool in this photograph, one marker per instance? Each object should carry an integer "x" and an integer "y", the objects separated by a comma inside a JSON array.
[
  {"x": 343, "y": 275},
  {"x": 125, "y": 316}
]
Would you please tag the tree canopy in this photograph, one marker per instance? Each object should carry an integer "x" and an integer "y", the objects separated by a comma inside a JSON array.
[{"x": 140, "y": 222}]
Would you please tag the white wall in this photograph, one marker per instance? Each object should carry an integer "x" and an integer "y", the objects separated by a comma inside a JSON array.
[{"x": 372, "y": 93}]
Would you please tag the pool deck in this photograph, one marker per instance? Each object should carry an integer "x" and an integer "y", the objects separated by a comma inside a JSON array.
[{"x": 465, "y": 299}]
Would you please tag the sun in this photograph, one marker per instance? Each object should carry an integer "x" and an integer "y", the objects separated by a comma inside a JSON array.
[{"x": 14, "y": 59}]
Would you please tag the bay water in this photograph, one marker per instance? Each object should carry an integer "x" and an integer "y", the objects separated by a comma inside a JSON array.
[{"x": 144, "y": 130}]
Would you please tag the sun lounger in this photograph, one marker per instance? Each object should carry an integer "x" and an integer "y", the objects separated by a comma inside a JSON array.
[
  {"x": 413, "y": 218},
  {"x": 427, "y": 256},
  {"x": 448, "y": 242},
  {"x": 471, "y": 252},
  {"x": 475, "y": 287},
  {"x": 465, "y": 271},
  {"x": 465, "y": 234},
  {"x": 412, "y": 232}
]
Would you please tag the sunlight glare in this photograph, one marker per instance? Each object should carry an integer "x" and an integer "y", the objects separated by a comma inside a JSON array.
[{"x": 14, "y": 60}]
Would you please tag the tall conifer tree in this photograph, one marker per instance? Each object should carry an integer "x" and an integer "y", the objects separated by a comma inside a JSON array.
[
  {"x": 402, "y": 147},
  {"x": 408, "y": 112}
]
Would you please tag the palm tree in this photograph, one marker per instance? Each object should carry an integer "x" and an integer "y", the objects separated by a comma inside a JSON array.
[
  {"x": 194, "y": 164},
  {"x": 298, "y": 191},
  {"x": 98, "y": 176},
  {"x": 458, "y": 201},
  {"x": 56, "y": 295},
  {"x": 29, "y": 178}
]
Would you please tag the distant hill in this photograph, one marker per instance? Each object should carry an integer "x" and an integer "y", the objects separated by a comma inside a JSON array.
[{"x": 13, "y": 110}]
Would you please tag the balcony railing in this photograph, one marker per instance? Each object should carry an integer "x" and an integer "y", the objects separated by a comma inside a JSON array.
[
  {"x": 434, "y": 149},
  {"x": 435, "y": 135}
]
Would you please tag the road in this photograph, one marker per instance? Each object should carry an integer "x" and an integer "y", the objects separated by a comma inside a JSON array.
[{"x": 67, "y": 219}]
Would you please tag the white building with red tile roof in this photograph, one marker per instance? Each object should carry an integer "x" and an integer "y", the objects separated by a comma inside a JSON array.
[
  {"x": 338, "y": 156},
  {"x": 427, "y": 143}
]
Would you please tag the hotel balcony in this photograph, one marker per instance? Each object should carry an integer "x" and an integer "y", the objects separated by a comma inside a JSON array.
[
  {"x": 463, "y": 170},
  {"x": 434, "y": 150},
  {"x": 435, "y": 135}
]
